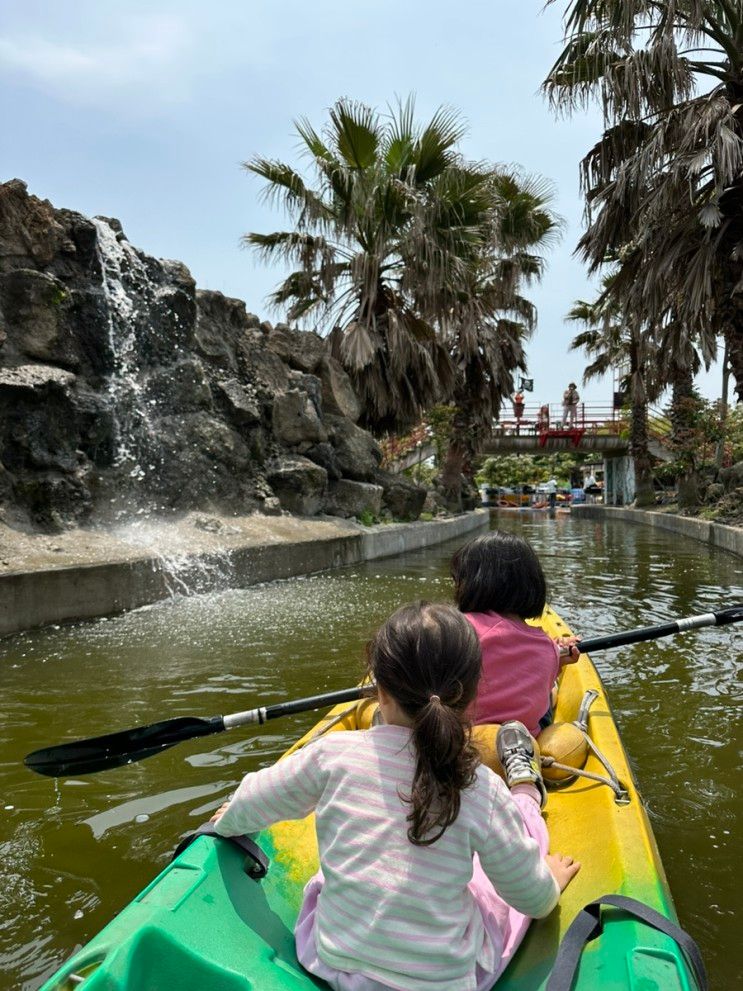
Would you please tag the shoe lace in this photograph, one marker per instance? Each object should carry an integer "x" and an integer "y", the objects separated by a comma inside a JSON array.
[{"x": 518, "y": 763}]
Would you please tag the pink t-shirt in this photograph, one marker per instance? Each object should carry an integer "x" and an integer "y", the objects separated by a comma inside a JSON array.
[{"x": 519, "y": 667}]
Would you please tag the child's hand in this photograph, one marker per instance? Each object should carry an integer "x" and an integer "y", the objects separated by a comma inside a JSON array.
[
  {"x": 563, "y": 868},
  {"x": 567, "y": 644},
  {"x": 220, "y": 812}
]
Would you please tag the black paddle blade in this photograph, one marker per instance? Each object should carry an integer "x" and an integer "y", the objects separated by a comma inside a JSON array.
[
  {"x": 732, "y": 615},
  {"x": 102, "y": 752}
]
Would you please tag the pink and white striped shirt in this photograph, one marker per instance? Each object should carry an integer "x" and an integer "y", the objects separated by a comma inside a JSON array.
[{"x": 398, "y": 913}]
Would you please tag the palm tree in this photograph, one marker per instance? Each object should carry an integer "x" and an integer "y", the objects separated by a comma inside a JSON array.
[
  {"x": 379, "y": 243},
  {"x": 664, "y": 184},
  {"x": 490, "y": 318},
  {"x": 612, "y": 341}
]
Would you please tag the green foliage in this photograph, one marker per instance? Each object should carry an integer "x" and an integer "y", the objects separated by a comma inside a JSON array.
[
  {"x": 441, "y": 421},
  {"x": 528, "y": 469},
  {"x": 422, "y": 474},
  {"x": 697, "y": 428},
  {"x": 734, "y": 434},
  {"x": 367, "y": 518}
]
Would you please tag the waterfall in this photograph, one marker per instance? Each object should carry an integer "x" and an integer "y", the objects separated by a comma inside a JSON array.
[
  {"x": 127, "y": 290},
  {"x": 131, "y": 298}
]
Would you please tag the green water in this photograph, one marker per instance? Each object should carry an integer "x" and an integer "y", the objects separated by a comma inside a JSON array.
[{"x": 73, "y": 852}]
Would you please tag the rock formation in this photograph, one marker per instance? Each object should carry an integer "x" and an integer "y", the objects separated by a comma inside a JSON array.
[{"x": 124, "y": 388}]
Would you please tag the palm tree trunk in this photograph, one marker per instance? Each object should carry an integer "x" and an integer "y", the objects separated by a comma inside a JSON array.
[
  {"x": 720, "y": 451},
  {"x": 451, "y": 475},
  {"x": 638, "y": 442},
  {"x": 457, "y": 468},
  {"x": 682, "y": 403},
  {"x": 734, "y": 340}
]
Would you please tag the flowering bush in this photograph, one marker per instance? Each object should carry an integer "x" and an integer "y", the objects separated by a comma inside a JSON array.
[{"x": 395, "y": 447}]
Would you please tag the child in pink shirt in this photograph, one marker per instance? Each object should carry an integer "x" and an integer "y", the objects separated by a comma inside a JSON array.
[{"x": 498, "y": 585}]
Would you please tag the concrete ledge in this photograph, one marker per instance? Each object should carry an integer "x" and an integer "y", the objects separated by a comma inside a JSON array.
[
  {"x": 396, "y": 538},
  {"x": 110, "y": 574},
  {"x": 729, "y": 538}
]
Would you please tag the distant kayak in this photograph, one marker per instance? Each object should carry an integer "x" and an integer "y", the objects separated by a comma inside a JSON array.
[{"x": 211, "y": 922}]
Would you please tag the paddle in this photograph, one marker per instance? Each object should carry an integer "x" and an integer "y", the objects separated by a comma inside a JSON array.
[
  {"x": 127, "y": 746},
  {"x": 732, "y": 615}
]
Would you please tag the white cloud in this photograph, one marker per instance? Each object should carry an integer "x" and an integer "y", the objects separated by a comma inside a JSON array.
[{"x": 146, "y": 63}]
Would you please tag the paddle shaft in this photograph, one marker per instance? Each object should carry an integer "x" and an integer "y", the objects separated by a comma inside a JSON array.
[
  {"x": 263, "y": 713},
  {"x": 725, "y": 616}
]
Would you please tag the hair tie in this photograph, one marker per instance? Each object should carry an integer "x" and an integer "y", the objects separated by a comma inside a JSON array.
[{"x": 434, "y": 698}]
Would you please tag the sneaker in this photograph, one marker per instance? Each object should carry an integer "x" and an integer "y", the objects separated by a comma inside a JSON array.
[{"x": 516, "y": 754}]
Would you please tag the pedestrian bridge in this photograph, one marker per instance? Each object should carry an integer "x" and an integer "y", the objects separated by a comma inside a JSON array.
[{"x": 598, "y": 429}]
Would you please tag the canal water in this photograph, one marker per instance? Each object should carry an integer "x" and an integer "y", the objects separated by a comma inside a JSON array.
[{"x": 73, "y": 852}]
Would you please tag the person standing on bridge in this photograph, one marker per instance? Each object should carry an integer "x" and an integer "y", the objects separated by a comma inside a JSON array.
[{"x": 570, "y": 400}]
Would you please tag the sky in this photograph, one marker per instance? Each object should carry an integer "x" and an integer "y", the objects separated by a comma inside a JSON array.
[{"x": 145, "y": 111}]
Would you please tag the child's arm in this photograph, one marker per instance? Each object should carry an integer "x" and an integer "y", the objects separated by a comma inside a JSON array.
[
  {"x": 289, "y": 789},
  {"x": 514, "y": 864}
]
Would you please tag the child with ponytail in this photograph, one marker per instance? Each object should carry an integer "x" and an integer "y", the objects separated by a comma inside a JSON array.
[{"x": 430, "y": 867}]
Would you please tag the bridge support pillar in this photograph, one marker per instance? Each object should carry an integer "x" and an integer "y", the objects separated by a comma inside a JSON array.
[{"x": 619, "y": 481}]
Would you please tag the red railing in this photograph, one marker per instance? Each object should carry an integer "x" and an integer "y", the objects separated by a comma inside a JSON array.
[{"x": 590, "y": 418}]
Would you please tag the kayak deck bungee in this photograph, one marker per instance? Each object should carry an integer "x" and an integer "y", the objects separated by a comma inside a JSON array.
[{"x": 204, "y": 925}]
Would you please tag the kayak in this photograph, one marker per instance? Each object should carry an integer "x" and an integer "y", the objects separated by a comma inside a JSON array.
[{"x": 209, "y": 922}]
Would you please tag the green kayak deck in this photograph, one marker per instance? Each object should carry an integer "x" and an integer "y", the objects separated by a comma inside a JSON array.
[{"x": 204, "y": 925}]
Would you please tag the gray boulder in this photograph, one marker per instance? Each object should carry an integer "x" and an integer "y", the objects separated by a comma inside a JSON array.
[
  {"x": 356, "y": 451},
  {"x": 732, "y": 477},
  {"x": 401, "y": 497},
  {"x": 239, "y": 401},
  {"x": 298, "y": 483},
  {"x": 221, "y": 324},
  {"x": 324, "y": 455},
  {"x": 265, "y": 368},
  {"x": 338, "y": 394},
  {"x": 348, "y": 498},
  {"x": 30, "y": 230},
  {"x": 40, "y": 428},
  {"x": 295, "y": 420},
  {"x": 197, "y": 461},
  {"x": 179, "y": 387},
  {"x": 33, "y": 305},
  {"x": 298, "y": 349}
]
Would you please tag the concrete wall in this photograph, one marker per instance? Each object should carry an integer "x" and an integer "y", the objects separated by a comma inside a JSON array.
[
  {"x": 729, "y": 538},
  {"x": 45, "y": 594}
]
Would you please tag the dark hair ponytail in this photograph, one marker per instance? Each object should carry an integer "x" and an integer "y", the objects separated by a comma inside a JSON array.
[{"x": 427, "y": 657}]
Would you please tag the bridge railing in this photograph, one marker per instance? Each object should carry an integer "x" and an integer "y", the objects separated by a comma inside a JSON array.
[{"x": 595, "y": 418}]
